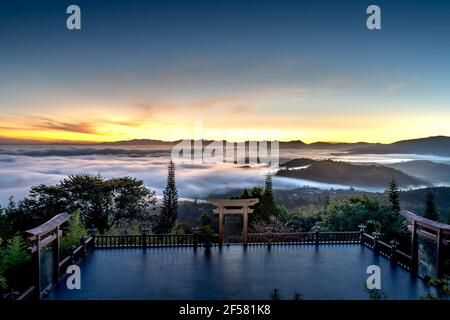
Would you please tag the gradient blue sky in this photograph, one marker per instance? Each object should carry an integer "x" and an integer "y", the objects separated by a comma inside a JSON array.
[{"x": 310, "y": 70}]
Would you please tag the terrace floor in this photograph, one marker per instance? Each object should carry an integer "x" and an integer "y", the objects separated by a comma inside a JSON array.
[{"x": 235, "y": 272}]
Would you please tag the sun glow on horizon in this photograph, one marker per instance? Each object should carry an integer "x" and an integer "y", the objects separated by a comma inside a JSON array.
[{"x": 380, "y": 130}]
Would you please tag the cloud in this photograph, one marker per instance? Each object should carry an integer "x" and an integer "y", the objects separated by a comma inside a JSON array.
[
  {"x": 49, "y": 124},
  {"x": 242, "y": 110},
  {"x": 396, "y": 86},
  {"x": 220, "y": 101},
  {"x": 249, "y": 101}
]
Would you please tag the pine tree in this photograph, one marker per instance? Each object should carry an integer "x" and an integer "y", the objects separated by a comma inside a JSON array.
[
  {"x": 245, "y": 194},
  {"x": 75, "y": 230},
  {"x": 430, "y": 207},
  {"x": 393, "y": 195},
  {"x": 16, "y": 252},
  {"x": 268, "y": 202},
  {"x": 169, "y": 209}
]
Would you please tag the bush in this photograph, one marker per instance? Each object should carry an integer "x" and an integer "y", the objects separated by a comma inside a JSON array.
[
  {"x": 75, "y": 230},
  {"x": 14, "y": 262},
  {"x": 3, "y": 284},
  {"x": 206, "y": 229}
]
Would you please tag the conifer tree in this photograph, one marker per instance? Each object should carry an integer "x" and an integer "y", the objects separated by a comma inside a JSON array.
[
  {"x": 430, "y": 207},
  {"x": 393, "y": 195},
  {"x": 268, "y": 202},
  {"x": 169, "y": 209}
]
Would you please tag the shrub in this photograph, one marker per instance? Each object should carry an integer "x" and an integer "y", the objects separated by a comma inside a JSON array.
[{"x": 75, "y": 230}]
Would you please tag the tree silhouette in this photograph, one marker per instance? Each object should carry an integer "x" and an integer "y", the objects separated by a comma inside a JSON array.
[
  {"x": 169, "y": 209},
  {"x": 393, "y": 195},
  {"x": 430, "y": 207},
  {"x": 267, "y": 201}
]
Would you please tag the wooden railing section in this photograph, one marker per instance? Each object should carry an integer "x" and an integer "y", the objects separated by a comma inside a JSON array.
[
  {"x": 153, "y": 240},
  {"x": 304, "y": 238},
  {"x": 389, "y": 251},
  {"x": 76, "y": 255}
]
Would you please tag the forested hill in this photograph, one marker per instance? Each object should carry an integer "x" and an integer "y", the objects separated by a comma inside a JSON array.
[{"x": 343, "y": 173}]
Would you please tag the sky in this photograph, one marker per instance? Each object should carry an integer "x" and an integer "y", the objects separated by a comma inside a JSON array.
[{"x": 293, "y": 70}]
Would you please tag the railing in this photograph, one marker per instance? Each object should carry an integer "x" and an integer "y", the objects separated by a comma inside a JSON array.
[
  {"x": 153, "y": 240},
  {"x": 339, "y": 237},
  {"x": 367, "y": 240},
  {"x": 27, "y": 295},
  {"x": 304, "y": 237},
  {"x": 77, "y": 253},
  {"x": 403, "y": 260},
  {"x": 389, "y": 251}
]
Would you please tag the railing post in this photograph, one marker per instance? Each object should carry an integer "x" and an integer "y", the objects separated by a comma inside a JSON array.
[
  {"x": 316, "y": 230},
  {"x": 83, "y": 244},
  {"x": 376, "y": 236},
  {"x": 195, "y": 237},
  {"x": 37, "y": 266},
  {"x": 393, "y": 244},
  {"x": 93, "y": 232},
  {"x": 56, "y": 257},
  {"x": 414, "y": 249},
  {"x": 72, "y": 253},
  {"x": 362, "y": 228},
  {"x": 144, "y": 236},
  {"x": 440, "y": 254},
  {"x": 269, "y": 236}
]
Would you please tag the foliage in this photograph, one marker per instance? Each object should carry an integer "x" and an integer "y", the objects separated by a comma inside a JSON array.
[
  {"x": 430, "y": 207},
  {"x": 13, "y": 259},
  {"x": 3, "y": 224},
  {"x": 266, "y": 208},
  {"x": 428, "y": 296},
  {"x": 376, "y": 294},
  {"x": 102, "y": 202},
  {"x": 348, "y": 213},
  {"x": 304, "y": 219},
  {"x": 297, "y": 296},
  {"x": 16, "y": 252},
  {"x": 442, "y": 285},
  {"x": 206, "y": 229},
  {"x": 169, "y": 210},
  {"x": 275, "y": 295},
  {"x": 276, "y": 224},
  {"x": 393, "y": 195},
  {"x": 3, "y": 283},
  {"x": 75, "y": 230},
  {"x": 267, "y": 201}
]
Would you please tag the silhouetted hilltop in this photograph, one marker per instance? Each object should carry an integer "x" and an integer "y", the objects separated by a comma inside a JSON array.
[
  {"x": 439, "y": 145},
  {"x": 425, "y": 169},
  {"x": 357, "y": 175}
]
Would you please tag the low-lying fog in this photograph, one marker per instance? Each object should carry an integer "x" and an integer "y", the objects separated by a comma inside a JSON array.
[{"x": 24, "y": 166}]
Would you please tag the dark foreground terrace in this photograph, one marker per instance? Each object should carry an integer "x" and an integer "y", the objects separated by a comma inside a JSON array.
[{"x": 335, "y": 271}]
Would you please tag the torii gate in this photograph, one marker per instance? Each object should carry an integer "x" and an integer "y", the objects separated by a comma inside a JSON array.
[
  {"x": 233, "y": 206},
  {"x": 41, "y": 236},
  {"x": 432, "y": 230}
]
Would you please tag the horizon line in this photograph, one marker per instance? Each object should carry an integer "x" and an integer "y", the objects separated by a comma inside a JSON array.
[{"x": 12, "y": 141}]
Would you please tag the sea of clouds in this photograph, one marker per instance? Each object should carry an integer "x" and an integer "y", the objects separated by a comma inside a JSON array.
[{"x": 21, "y": 167}]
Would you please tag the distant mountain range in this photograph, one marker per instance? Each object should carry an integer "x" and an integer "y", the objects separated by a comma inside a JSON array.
[{"x": 438, "y": 145}]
